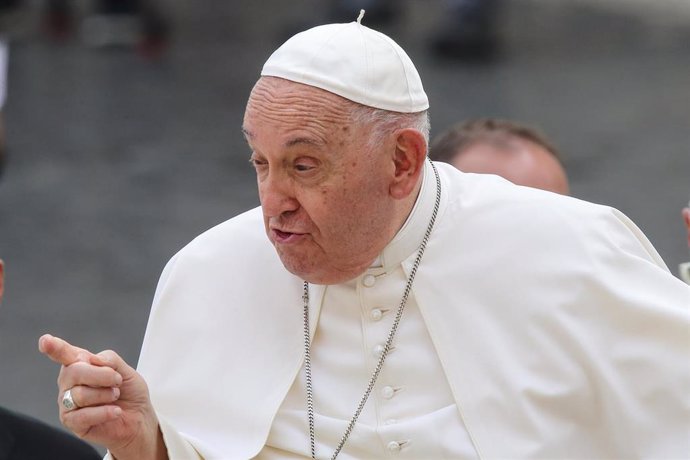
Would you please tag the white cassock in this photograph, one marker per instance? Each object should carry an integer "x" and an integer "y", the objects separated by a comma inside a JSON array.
[{"x": 539, "y": 326}]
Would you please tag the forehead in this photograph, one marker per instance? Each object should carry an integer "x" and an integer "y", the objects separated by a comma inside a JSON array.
[{"x": 282, "y": 107}]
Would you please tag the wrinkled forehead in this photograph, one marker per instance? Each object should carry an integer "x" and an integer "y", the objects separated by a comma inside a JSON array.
[
  {"x": 279, "y": 91},
  {"x": 280, "y": 104}
]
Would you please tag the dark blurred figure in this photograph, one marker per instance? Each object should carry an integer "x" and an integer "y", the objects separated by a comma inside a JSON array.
[
  {"x": 25, "y": 438},
  {"x": 138, "y": 23},
  {"x": 516, "y": 152},
  {"x": 467, "y": 30}
]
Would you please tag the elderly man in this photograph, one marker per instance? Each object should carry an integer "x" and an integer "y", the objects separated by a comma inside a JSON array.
[
  {"x": 505, "y": 148},
  {"x": 398, "y": 307}
]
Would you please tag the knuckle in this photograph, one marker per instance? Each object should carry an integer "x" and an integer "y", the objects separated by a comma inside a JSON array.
[
  {"x": 77, "y": 394},
  {"x": 109, "y": 355},
  {"x": 74, "y": 421},
  {"x": 64, "y": 419},
  {"x": 79, "y": 365},
  {"x": 61, "y": 375}
]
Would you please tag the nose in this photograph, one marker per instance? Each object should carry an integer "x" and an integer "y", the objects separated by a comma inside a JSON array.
[{"x": 276, "y": 196}]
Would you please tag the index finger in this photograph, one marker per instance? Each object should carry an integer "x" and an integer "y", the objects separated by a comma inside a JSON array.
[{"x": 62, "y": 352}]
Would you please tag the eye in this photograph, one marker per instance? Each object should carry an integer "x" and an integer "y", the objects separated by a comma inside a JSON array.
[
  {"x": 260, "y": 166},
  {"x": 304, "y": 165},
  {"x": 257, "y": 162}
]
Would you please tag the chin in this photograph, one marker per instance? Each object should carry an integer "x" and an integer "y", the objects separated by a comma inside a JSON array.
[
  {"x": 312, "y": 274},
  {"x": 317, "y": 270}
]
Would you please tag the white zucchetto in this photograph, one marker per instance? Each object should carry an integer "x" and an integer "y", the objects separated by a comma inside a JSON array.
[{"x": 352, "y": 61}]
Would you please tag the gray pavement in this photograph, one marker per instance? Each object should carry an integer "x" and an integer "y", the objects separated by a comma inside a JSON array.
[{"x": 116, "y": 162}]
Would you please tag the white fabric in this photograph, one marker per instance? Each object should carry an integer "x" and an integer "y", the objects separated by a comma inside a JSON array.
[
  {"x": 352, "y": 61},
  {"x": 558, "y": 327},
  {"x": 411, "y": 410}
]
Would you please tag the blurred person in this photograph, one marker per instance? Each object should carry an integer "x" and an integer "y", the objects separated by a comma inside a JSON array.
[
  {"x": 25, "y": 438},
  {"x": 137, "y": 23},
  {"x": 467, "y": 29},
  {"x": 535, "y": 325},
  {"x": 516, "y": 152}
]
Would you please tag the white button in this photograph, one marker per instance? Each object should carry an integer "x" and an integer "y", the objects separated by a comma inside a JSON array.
[
  {"x": 369, "y": 280},
  {"x": 378, "y": 350},
  {"x": 387, "y": 392},
  {"x": 394, "y": 447},
  {"x": 376, "y": 314}
]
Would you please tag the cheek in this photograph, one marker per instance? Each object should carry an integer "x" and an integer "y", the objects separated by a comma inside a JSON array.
[
  {"x": 330, "y": 210},
  {"x": 348, "y": 210}
]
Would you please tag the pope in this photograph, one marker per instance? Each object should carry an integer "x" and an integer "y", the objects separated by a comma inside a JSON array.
[{"x": 378, "y": 304}]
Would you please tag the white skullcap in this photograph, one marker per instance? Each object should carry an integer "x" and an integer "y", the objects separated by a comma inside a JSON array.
[{"x": 352, "y": 61}]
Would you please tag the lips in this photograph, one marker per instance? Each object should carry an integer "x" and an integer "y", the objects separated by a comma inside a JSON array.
[{"x": 283, "y": 237}]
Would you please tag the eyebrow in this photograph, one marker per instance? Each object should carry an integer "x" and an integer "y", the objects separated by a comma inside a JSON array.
[
  {"x": 290, "y": 142},
  {"x": 303, "y": 141}
]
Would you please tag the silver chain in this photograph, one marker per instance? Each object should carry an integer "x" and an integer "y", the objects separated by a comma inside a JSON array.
[{"x": 386, "y": 347}]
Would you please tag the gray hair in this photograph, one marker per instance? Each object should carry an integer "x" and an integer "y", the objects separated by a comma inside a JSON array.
[{"x": 385, "y": 122}]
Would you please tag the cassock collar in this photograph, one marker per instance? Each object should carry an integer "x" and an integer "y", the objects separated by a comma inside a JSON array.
[{"x": 409, "y": 237}]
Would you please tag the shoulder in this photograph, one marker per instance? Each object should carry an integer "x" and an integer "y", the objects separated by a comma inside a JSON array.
[
  {"x": 233, "y": 254},
  {"x": 487, "y": 209},
  {"x": 243, "y": 229},
  {"x": 241, "y": 239},
  {"x": 486, "y": 196}
]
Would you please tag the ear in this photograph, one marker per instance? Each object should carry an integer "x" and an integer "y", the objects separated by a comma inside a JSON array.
[
  {"x": 409, "y": 156},
  {"x": 2, "y": 278}
]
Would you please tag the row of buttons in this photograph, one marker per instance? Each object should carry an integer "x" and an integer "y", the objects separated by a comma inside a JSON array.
[{"x": 386, "y": 392}]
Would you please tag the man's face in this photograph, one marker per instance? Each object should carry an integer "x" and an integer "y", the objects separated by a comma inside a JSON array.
[
  {"x": 521, "y": 162},
  {"x": 324, "y": 193}
]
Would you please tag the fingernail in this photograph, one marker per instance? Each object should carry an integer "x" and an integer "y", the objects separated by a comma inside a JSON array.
[
  {"x": 117, "y": 412},
  {"x": 42, "y": 340},
  {"x": 116, "y": 393},
  {"x": 118, "y": 379}
]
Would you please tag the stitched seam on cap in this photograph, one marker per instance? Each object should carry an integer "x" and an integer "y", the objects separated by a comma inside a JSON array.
[
  {"x": 367, "y": 94},
  {"x": 407, "y": 79},
  {"x": 315, "y": 55}
]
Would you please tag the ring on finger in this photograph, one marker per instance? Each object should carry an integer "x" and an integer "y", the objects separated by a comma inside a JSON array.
[{"x": 68, "y": 401}]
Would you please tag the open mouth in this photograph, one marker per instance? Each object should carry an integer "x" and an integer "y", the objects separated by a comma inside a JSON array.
[{"x": 285, "y": 237}]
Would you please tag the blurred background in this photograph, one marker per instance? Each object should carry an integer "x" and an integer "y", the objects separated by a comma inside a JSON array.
[{"x": 122, "y": 143}]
